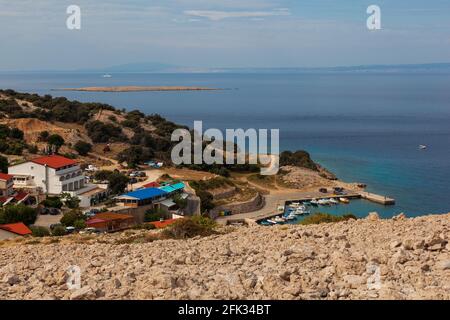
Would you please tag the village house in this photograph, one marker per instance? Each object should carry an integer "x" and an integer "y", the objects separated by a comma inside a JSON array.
[
  {"x": 110, "y": 222},
  {"x": 54, "y": 175},
  {"x": 6, "y": 185},
  {"x": 137, "y": 202},
  {"x": 13, "y": 230}
]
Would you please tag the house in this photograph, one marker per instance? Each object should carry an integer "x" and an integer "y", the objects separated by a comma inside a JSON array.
[
  {"x": 92, "y": 197},
  {"x": 17, "y": 198},
  {"x": 110, "y": 222},
  {"x": 6, "y": 185},
  {"x": 173, "y": 188},
  {"x": 52, "y": 175},
  {"x": 13, "y": 230},
  {"x": 141, "y": 197},
  {"x": 153, "y": 184}
]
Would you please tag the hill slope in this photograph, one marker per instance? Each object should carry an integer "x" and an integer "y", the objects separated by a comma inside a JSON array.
[{"x": 327, "y": 261}]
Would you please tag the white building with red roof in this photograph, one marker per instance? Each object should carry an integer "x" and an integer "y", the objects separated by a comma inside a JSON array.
[
  {"x": 52, "y": 175},
  {"x": 6, "y": 185}
]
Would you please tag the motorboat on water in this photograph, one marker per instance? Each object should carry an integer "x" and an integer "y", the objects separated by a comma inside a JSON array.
[
  {"x": 294, "y": 205},
  {"x": 323, "y": 202},
  {"x": 333, "y": 201},
  {"x": 271, "y": 221},
  {"x": 290, "y": 217},
  {"x": 279, "y": 220},
  {"x": 107, "y": 75},
  {"x": 314, "y": 202},
  {"x": 344, "y": 200},
  {"x": 422, "y": 147}
]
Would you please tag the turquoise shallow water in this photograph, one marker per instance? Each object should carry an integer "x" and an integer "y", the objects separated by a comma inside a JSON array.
[{"x": 365, "y": 128}]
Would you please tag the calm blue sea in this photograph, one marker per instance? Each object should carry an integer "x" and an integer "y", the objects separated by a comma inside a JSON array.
[{"x": 363, "y": 127}]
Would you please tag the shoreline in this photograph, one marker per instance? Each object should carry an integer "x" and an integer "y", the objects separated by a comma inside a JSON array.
[{"x": 137, "y": 89}]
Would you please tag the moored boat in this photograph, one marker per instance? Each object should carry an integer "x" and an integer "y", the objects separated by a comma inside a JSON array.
[
  {"x": 333, "y": 201},
  {"x": 279, "y": 220},
  {"x": 344, "y": 200}
]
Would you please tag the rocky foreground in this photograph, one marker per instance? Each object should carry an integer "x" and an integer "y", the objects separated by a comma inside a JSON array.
[{"x": 365, "y": 259}]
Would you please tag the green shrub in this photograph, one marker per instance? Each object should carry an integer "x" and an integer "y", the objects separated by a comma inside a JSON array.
[
  {"x": 204, "y": 221},
  {"x": 117, "y": 181},
  {"x": 52, "y": 202},
  {"x": 70, "y": 218},
  {"x": 298, "y": 158},
  {"x": 3, "y": 164},
  {"x": 144, "y": 226},
  {"x": 318, "y": 218},
  {"x": 39, "y": 231},
  {"x": 82, "y": 147},
  {"x": 154, "y": 215},
  {"x": 186, "y": 228},
  {"x": 72, "y": 202},
  {"x": 79, "y": 224},
  {"x": 17, "y": 213},
  {"x": 58, "y": 231}
]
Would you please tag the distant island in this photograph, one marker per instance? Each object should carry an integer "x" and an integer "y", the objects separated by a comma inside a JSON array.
[{"x": 137, "y": 88}]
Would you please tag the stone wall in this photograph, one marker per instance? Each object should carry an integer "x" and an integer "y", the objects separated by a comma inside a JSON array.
[{"x": 254, "y": 204}]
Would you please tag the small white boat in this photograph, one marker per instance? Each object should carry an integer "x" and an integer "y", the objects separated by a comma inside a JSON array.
[
  {"x": 107, "y": 75},
  {"x": 279, "y": 220},
  {"x": 333, "y": 201},
  {"x": 323, "y": 202},
  {"x": 301, "y": 211},
  {"x": 294, "y": 205},
  {"x": 422, "y": 147},
  {"x": 314, "y": 202},
  {"x": 271, "y": 221},
  {"x": 290, "y": 217},
  {"x": 344, "y": 200}
]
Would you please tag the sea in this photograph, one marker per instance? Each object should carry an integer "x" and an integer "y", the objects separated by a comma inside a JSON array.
[{"x": 363, "y": 127}]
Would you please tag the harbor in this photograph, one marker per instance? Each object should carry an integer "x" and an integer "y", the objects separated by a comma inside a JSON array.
[
  {"x": 345, "y": 201},
  {"x": 292, "y": 211}
]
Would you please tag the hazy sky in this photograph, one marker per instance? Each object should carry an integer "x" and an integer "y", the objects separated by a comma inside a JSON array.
[{"x": 221, "y": 33}]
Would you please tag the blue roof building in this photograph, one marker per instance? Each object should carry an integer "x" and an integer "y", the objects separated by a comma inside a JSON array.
[
  {"x": 173, "y": 188},
  {"x": 142, "y": 197}
]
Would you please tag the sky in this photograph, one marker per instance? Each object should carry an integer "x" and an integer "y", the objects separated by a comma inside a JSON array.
[{"x": 221, "y": 33}]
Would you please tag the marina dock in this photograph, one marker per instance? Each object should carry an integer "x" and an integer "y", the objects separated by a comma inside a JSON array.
[
  {"x": 273, "y": 201},
  {"x": 377, "y": 198}
]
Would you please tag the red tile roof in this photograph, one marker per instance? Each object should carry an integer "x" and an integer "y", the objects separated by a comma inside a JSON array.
[
  {"x": 163, "y": 224},
  {"x": 54, "y": 161},
  {"x": 4, "y": 176},
  {"x": 20, "y": 196},
  {"x": 17, "y": 228},
  {"x": 153, "y": 184}
]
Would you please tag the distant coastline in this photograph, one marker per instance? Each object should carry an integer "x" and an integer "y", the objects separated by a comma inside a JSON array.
[{"x": 137, "y": 89}]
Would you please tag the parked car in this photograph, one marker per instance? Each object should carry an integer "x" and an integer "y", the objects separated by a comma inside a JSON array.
[
  {"x": 70, "y": 229},
  {"x": 133, "y": 180},
  {"x": 323, "y": 190},
  {"x": 54, "y": 211}
]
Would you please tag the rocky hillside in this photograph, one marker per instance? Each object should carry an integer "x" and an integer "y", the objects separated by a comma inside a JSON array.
[{"x": 364, "y": 259}]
